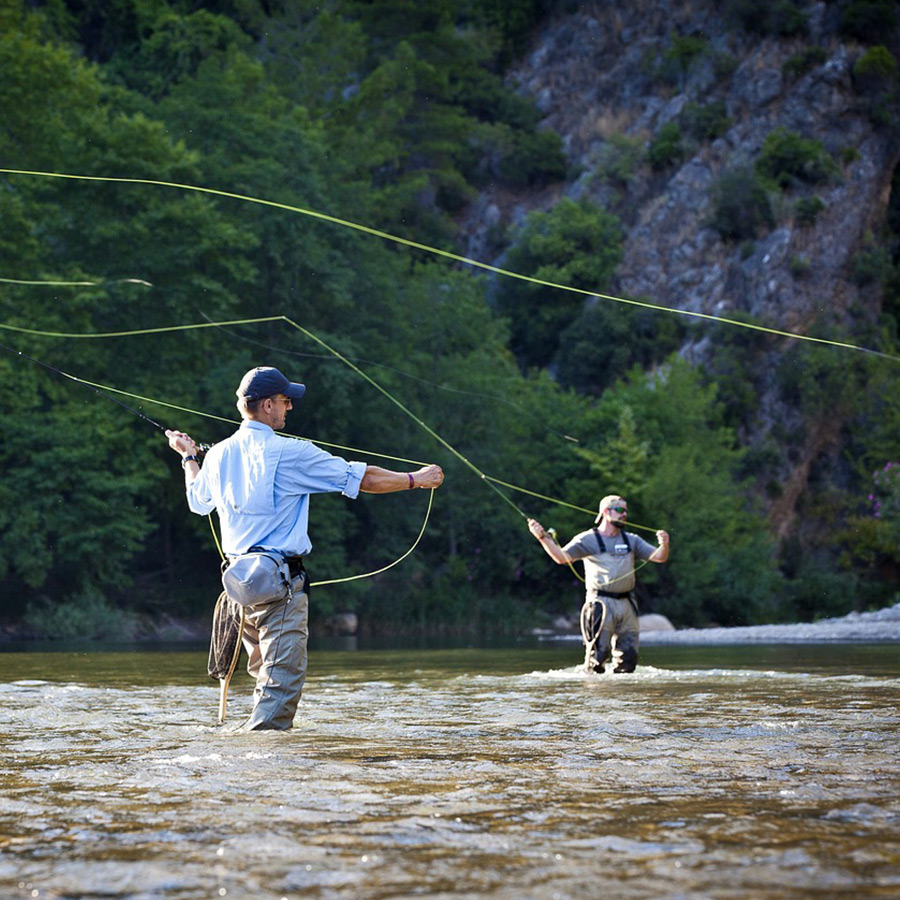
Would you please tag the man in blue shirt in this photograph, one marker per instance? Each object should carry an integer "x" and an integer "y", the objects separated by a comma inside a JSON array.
[{"x": 260, "y": 483}]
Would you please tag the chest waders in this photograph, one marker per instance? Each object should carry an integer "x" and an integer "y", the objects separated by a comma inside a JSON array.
[
  {"x": 590, "y": 633},
  {"x": 257, "y": 576},
  {"x": 592, "y": 624}
]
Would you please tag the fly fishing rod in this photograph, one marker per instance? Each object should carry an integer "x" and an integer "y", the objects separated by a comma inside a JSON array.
[
  {"x": 201, "y": 447},
  {"x": 489, "y": 480}
]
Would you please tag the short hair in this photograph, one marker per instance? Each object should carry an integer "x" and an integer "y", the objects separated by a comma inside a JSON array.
[{"x": 248, "y": 408}]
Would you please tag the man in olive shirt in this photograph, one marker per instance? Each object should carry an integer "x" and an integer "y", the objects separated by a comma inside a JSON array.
[{"x": 608, "y": 552}]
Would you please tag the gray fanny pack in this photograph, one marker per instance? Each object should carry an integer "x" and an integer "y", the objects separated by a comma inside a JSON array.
[{"x": 258, "y": 577}]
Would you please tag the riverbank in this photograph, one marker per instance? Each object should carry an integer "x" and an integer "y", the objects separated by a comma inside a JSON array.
[{"x": 879, "y": 626}]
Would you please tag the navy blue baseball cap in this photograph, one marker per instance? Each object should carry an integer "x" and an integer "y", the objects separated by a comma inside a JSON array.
[{"x": 264, "y": 381}]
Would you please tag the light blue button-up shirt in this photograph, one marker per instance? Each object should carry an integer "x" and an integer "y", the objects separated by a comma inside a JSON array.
[{"x": 260, "y": 484}]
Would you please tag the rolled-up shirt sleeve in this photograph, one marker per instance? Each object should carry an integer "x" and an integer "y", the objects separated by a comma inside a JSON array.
[
  {"x": 355, "y": 473},
  {"x": 307, "y": 469},
  {"x": 199, "y": 497}
]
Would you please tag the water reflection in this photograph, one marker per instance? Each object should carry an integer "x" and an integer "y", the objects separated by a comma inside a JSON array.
[{"x": 764, "y": 772}]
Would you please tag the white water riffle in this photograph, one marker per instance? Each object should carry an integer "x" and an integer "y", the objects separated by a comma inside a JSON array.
[{"x": 709, "y": 774}]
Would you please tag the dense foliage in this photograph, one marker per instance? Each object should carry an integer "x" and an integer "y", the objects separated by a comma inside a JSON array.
[{"x": 391, "y": 116}]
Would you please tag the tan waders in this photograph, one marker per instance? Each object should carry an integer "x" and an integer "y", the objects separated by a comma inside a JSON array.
[
  {"x": 275, "y": 637},
  {"x": 603, "y": 617}
]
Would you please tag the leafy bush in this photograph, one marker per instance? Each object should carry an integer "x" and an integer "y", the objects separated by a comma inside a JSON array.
[
  {"x": 735, "y": 356},
  {"x": 872, "y": 265},
  {"x": 807, "y": 210},
  {"x": 619, "y": 158},
  {"x": 871, "y": 538},
  {"x": 816, "y": 591},
  {"x": 799, "y": 266},
  {"x": 875, "y": 71},
  {"x": 512, "y": 20},
  {"x": 875, "y": 77},
  {"x": 788, "y": 159},
  {"x": 666, "y": 148},
  {"x": 814, "y": 379},
  {"x": 705, "y": 122},
  {"x": 534, "y": 159},
  {"x": 724, "y": 65},
  {"x": 741, "y": 207},
  {"x": 786, "y": 18},
  {"x": 610, "y": 338},
  {"x": 677, "y": 59},
  {"x": 85, "y": 616}
]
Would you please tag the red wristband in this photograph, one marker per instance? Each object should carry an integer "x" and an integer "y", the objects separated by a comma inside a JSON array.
[{"x": 412, "y": 483}]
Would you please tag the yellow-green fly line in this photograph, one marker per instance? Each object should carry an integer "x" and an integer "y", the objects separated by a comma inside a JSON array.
[
  {"x": 488, "y": 479},
  {"x": 344, "y": 223},
  {"x": 173, "y": 328},
  {"x": 168, "y": 329},
  {"x": 456, "y": 257},
  {"x": 105, "y": 390}
]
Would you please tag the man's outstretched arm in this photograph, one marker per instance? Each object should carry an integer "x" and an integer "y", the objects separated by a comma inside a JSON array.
[{"x": 384, "y": 481}]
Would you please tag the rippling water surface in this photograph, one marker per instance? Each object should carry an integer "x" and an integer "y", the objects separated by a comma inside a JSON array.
[{"x": 743, "y": 772}]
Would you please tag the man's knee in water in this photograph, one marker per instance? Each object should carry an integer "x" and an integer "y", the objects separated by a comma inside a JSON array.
[{"x": 629, "y": 660}]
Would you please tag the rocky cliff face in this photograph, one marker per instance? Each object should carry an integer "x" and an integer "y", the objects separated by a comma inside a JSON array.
[{"x": 599, "y": 74}]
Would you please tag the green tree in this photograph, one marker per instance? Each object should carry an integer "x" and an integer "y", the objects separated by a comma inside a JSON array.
[
  {"x": 575, "y": 244},
  {"x": 623, "y": 462},
  {"x": 414, "y": 104},
  {"x": 868, "y": 20},
  {"x": 784, "y": 18},
  {"x": 92, "y": 499},
  {"x": 788, "y": 160},
  {"x": 666, "y": 148},
  {"x": 608, "y": 339},
  {"x": 866, "y": 534},
  {"x": 723, "y": 566},
  {"x": 69, "y": 464},
  {"x": 741, "y": 207}
]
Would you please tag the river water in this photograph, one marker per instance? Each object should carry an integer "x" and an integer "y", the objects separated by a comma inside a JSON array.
[{"x": 712, "y": 772}]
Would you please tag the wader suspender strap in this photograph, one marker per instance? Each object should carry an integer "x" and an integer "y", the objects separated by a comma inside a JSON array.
[{"x": 623, "y": 535}]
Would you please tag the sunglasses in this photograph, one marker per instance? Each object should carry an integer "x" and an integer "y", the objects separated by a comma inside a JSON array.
[{"x": 618, "y": 509}]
